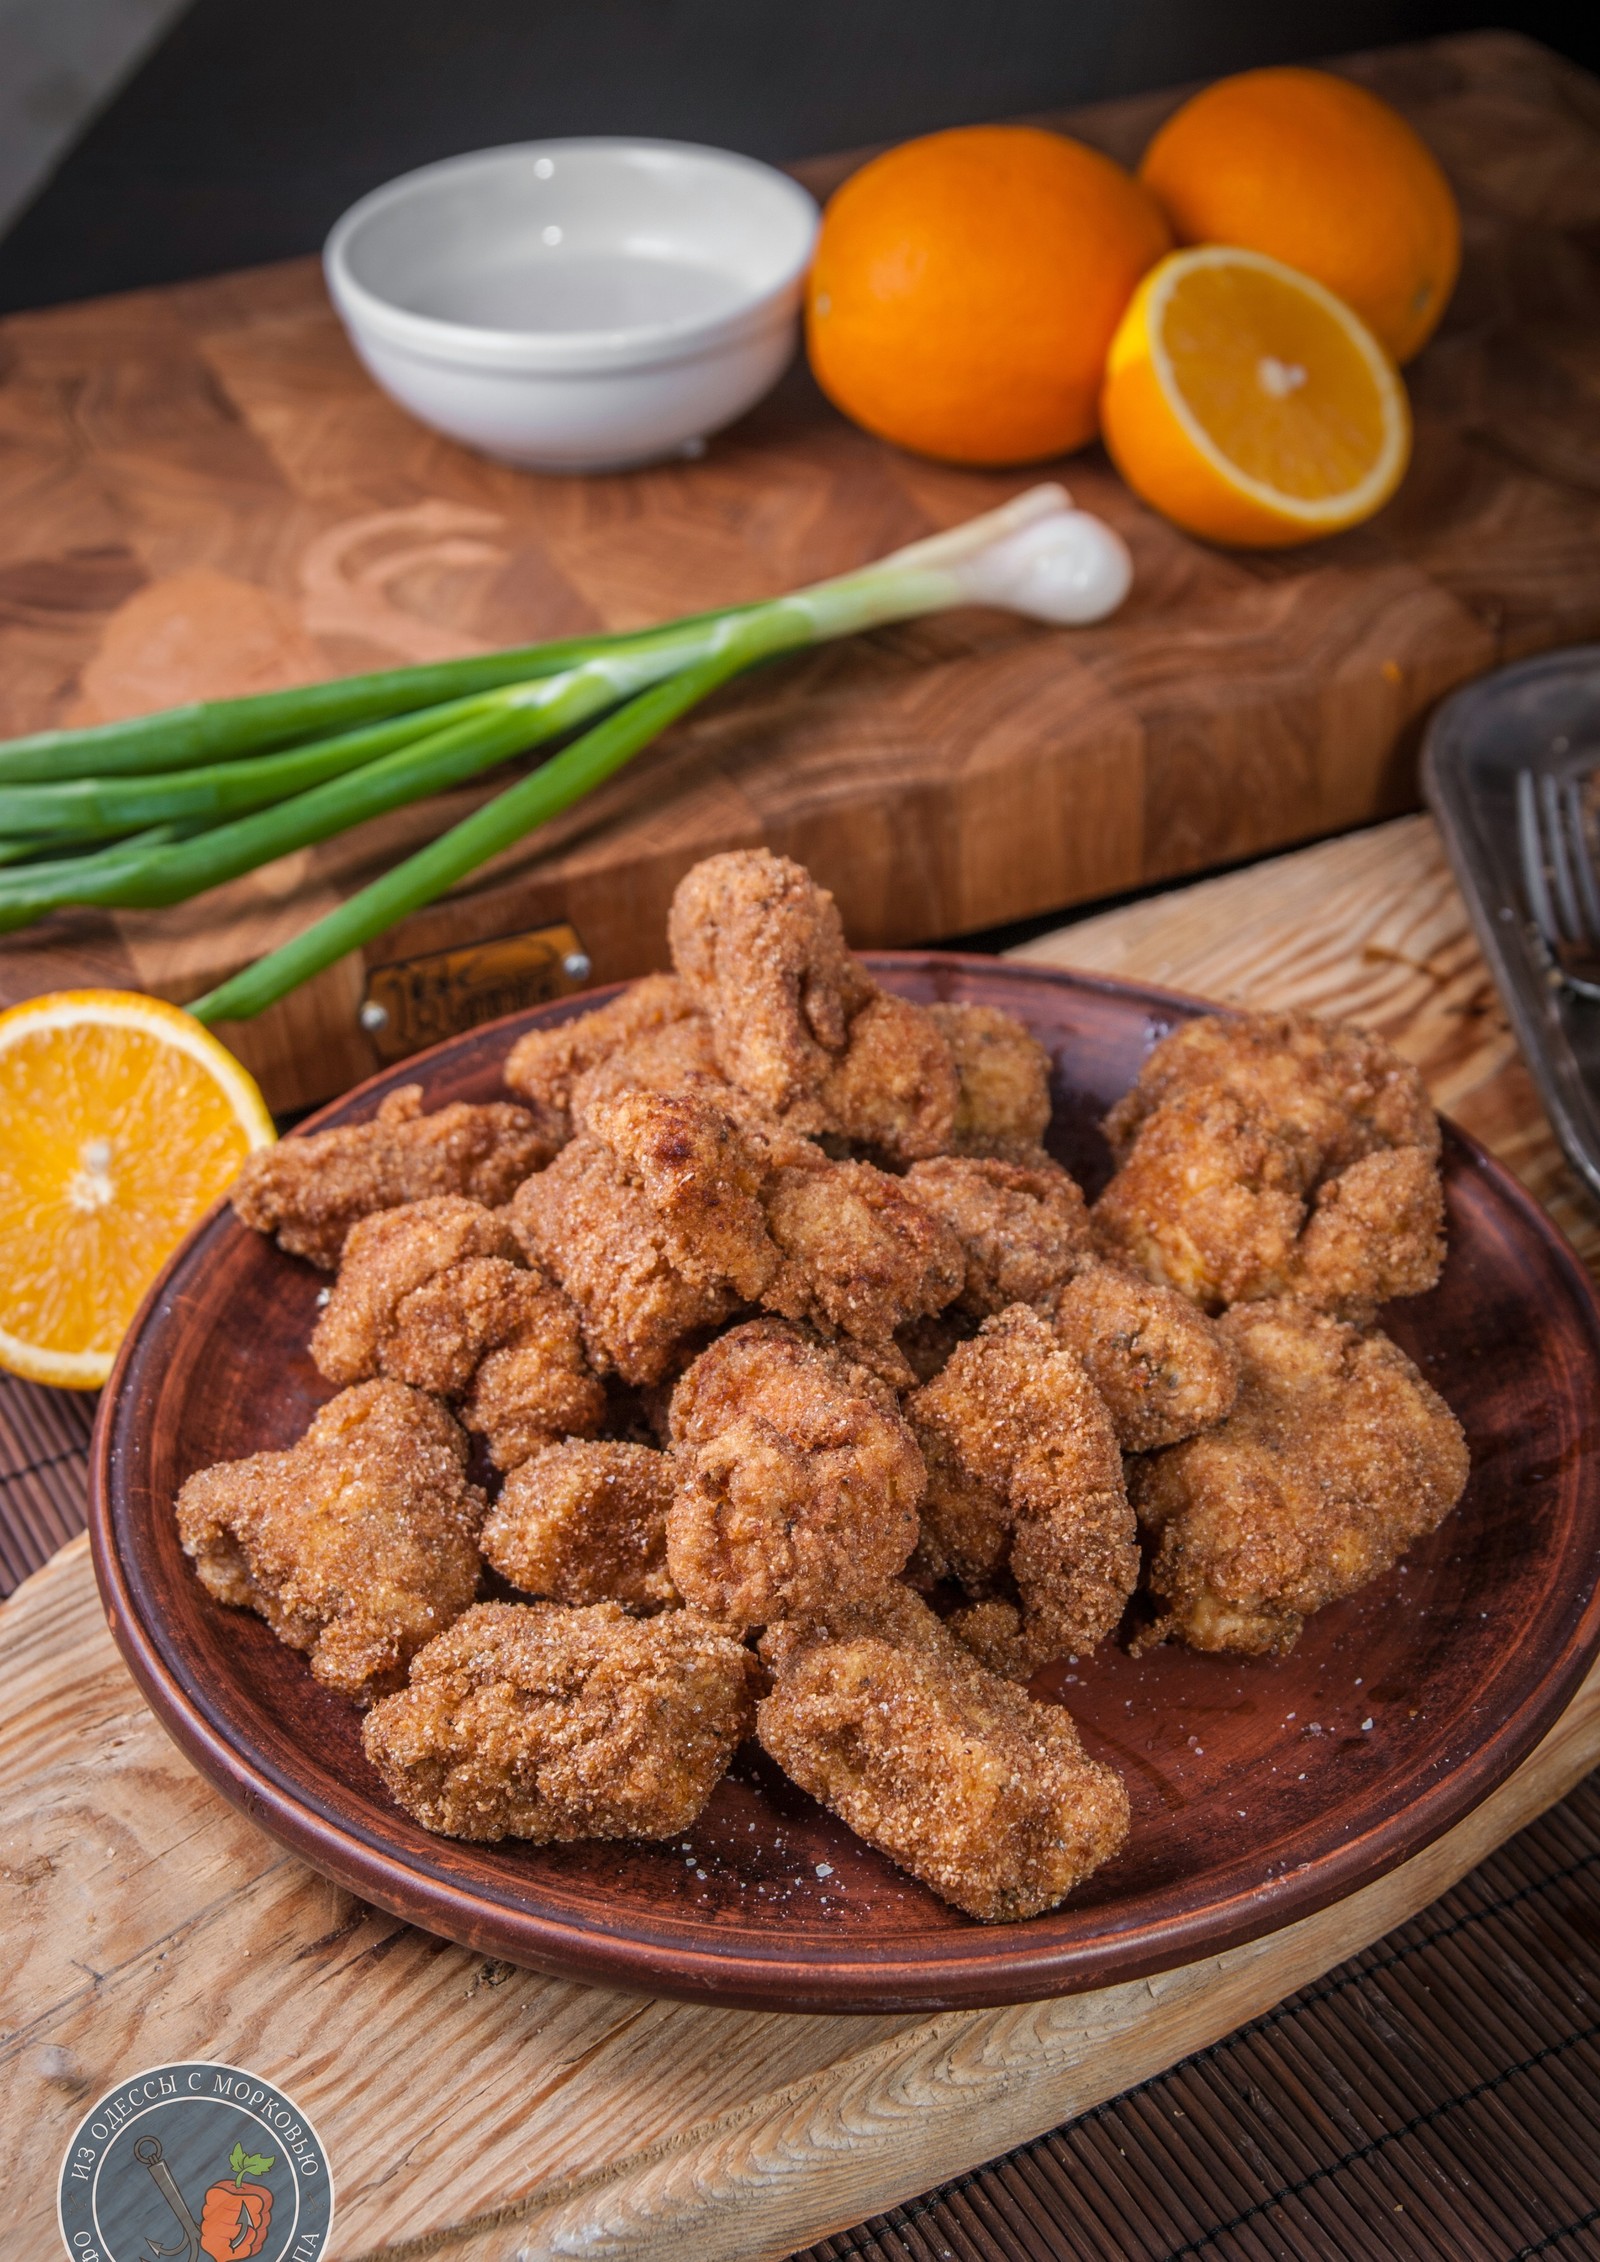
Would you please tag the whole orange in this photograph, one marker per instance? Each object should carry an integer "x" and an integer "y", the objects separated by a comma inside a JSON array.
[
  {"x": 1319, "y": 173},
  {"x": 966, "y": 287}
]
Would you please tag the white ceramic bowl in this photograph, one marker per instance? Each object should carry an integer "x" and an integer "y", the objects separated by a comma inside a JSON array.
[{"x": 576, "y": 305}]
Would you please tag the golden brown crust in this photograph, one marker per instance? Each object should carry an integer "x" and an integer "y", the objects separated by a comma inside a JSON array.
[
  {"x": 879, "y": 1712},
  {"x": 1023, "y": 1231},
  {"x": 1164, "y": 1370},
  {"x": 759, "y": 947},
  {"x": 654, "y": 1230},
  {"x": 894, "y": 1088},
  {"x": 798, "y": 1481},
  {"x": 1274, "y": 1154},
  {"x": 1025, "y": 1484},
  {"x": 309, "y": 1192},
  {"x": 543, "y": 1066},
  {"x": 585, "y": 1522},
  {"x": 1337, "y": 1456},
  {"x": 677, "y": 1057},
  {"x": 358, "y": 1544},
  {"x": 859, "y": 1257},
  {"x": 527, "y": 1720},
  {"x": 1003, "y": 1107}
]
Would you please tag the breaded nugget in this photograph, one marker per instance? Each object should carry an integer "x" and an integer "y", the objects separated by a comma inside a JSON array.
[
  {"x": 1004, "y": 1074},
  {"x": 357, "y": 1545},
  {"x": 1337, "y": 1456},
  {"x": 543, "y": 1066},
  {"x": 1164, "y": 1370},
  {"x": 586, "y": 1522},
  {"x": 760, "y": 949},
  {"x": 959, "y": 1777},
  {"x": 1276, "y": 1155},
  {"x": 678, "y": 1057},
  {"x": 527, "y": 1720},
  {"x": 438, "y": 1294},
  {"x": 1023, "y": 1231},
  {"x": 309, "y": 1192},
  {"x": 894, "y": 1089},
  {"x": 798, "y": 1481},
  {"x": 641, "y": 1234},
  {"x": 1025, "y": 1484},
  {"x": 859, "y": 1257}
]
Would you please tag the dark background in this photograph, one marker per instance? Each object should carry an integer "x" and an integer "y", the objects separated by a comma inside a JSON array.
[{"x": 256, "y": 122}]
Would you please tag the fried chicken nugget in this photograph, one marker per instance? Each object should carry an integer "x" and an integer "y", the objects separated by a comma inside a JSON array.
[
  {"x": 438, "y": 1294},
  {"x": 586, "y": 1522},
  {"x": 1164, "y": 1370},
  {"x": 1023, "y": 1230},
  {"x": 309, "y": 1192},
  {"x": 651, "y": 1223},
  {"x": 958, "y": 1776},
  {"x": 758, "y": 946},
  {"x": 358, "y": 1544},
  {"x": 543, "y": 1067},
  {"x": 894, "y": 1088},
  {"x": 678, "y": 1057},
  {"x": 798, "y": 1480},
  {"x": 860, "y": 1258},
  {"x": 1336, "y": 1457},
  {"x": 1025, "y": 1479},
  {"x": 527, "y": 1720},
  {"x": 1276, "y": 1155},
  {"x": 1003, "y": 1107}
]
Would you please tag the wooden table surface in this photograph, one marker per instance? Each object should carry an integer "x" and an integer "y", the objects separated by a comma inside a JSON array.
[
  {"x": 486, "y": 2114},
  {"x": 201, "y": 493}
]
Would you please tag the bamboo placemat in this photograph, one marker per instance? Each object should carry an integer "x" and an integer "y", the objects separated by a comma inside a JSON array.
[{"x": 1438, "y": 2095}]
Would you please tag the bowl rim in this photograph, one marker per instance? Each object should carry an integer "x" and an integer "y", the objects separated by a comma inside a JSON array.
[
  {"x": 974, "y": 1967},
  {"x": 430, "y": 337}
]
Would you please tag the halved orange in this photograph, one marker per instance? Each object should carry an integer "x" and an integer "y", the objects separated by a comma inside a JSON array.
[
  {"x": 1249, "y": 404},
  {"x": 121, "y": 1120}
]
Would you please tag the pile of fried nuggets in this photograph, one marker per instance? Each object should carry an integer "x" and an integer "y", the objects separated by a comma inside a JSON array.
[{"x": 777, "y": 1319}]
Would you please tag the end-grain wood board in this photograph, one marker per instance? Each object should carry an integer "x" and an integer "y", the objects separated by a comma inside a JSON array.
[
  {"x": 202, "y": 494},
  {"x": 483, "y": 2114}
]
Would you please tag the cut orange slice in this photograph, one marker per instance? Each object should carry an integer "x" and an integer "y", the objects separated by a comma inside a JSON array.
[
  {"x": 1248, "y": 404},
  {"x": 121, "y": 1120}
]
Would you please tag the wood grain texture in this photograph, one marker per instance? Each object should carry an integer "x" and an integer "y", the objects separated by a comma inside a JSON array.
[
  {"x": 482, "y": 2114},
  {"x": 200, "y": 492}
]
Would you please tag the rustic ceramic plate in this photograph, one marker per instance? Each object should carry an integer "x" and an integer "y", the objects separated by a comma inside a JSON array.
[{"x": 1261, "y": 1789}]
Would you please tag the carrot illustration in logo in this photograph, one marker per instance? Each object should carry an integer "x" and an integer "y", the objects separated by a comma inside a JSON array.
[{"x": 235, "y": 2215}]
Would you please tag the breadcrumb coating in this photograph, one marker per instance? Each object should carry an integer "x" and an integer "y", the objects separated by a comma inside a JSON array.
[
  {"x": 309, "y": 1192},
  {"x": 439, "y": 1295},
  {"x": 894, "y": 1088},
  {"x": 859, "y": 1257},
  {"x": 528, "y": 1720},
  {"x": 543, "y": 1066},
  {"x": 678, "y": 1057},
  {"x": 1004, "y": 1076},
  {"x": 655, "y": 1235},
  {"x": 1336, "y": 1457},
  {"x": 357, "y": 1545},
  {"x": 586, "y": 1522},
  {"x": 1164, "y": 1370},
  {"x": 1272, "y": 1155},
  {"x": 798, "y": 1480},
  {"x": 759, "y": 947},
  {"x": 1025, "y": 1486},
  {"x": 1023, "y": 1230},
  {"x": 958, "y": 1776}
]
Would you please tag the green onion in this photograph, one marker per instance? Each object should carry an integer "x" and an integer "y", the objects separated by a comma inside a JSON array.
[{"x": 206, "y": 793}]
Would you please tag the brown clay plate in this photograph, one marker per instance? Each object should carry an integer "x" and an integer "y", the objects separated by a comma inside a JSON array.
[{"x": 1261, "y": 1789}]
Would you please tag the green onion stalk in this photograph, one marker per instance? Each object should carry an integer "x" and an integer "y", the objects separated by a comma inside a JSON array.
[{"x": 157, "y": 809}]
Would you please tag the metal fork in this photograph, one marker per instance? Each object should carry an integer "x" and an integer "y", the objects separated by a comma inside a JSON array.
[{"x": 1559, "y": 875}]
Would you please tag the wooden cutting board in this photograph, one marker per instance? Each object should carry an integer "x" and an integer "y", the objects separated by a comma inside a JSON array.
[
  {"x": 483, "y": 2114},
  {"x": 203, "y": 494}
]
